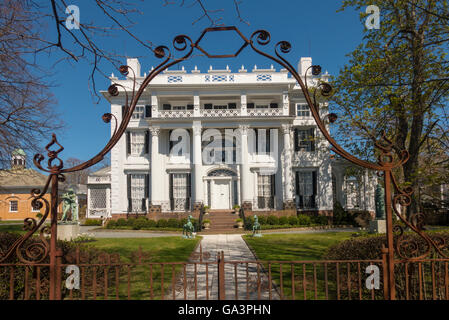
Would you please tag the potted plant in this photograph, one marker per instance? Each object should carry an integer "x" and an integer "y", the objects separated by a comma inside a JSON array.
[
  {"x": 206, "y": 223},
  {"x": 239, "y": 223},
  {"x": 206, "y": 209},
  {"x": 236, "y": 209}
]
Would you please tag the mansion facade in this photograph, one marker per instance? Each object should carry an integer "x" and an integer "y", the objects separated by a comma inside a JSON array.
[{"x": 221, "y": 138}]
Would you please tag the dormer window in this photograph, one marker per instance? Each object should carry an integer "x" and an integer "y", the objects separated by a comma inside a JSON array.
[
  {"x": 138, "y": 113},
  {"x": 302, "y": 110}
]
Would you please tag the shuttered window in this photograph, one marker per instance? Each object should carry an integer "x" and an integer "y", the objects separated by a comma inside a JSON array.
[
  {"x": 137, "y": 143},
  {"x": 306, "y": 189},
  {"x": 137, "y": 192},
  {"x": 305, "y": 140}
]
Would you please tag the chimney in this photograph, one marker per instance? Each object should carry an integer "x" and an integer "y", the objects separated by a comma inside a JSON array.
[
  {"x": 134, "y": 64},
  {"x": 304, "y": 63}
]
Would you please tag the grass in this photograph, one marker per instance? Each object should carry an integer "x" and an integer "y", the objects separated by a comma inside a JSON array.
[
  {"x": 10, "y": 221},
  {"x": 299, "y": 247},
  {"x": 12, "y": 228},
  {"x": 294, "y": 247},
  {"x": 146, "y": 280}
]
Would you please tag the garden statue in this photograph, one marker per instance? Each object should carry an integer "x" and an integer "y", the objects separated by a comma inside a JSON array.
[
  {"x": 187, "y": 229},
  {"x": 69, "y": 203},
  {"x": 256, "y": 227},
  {"x": 380, "y": 203}
]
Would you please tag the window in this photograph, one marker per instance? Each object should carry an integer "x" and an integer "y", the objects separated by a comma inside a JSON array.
[
  {"x": 179, "y": 107},
  {"x": 262, "y": 141},
  {"x": 35, "y": 207},
  {"x": 306, "y": 189},
  {"x": 13, "y": 206},
  {"x": 302, "y": 110},
  {"x": 137, "y": 143},
  {"x": 138, "y": 112},
  {"x": 137, "y": 189},
  {"x": 180, "y": 191},
  {"x": 305, "y": 140},
  {"x": 265, "y": 191},
  {"x": 353, "y": 195}
]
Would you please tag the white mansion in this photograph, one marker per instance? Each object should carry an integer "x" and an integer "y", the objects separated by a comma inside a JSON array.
[{"x": 222, "y": 138}]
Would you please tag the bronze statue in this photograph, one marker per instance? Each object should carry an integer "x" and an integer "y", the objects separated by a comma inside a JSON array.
[
  {"x": 69, "y": 203},
  {"x": 380, "y": 202}
]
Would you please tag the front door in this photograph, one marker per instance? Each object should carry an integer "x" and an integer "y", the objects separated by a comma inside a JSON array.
[{"x": 220, "y": 197}]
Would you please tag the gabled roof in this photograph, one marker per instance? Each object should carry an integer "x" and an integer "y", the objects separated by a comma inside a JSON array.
[
  {"x": 19, "y": 177},
  {"x": 102, "y": 172}
]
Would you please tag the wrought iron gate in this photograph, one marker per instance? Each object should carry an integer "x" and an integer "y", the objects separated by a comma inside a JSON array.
[{"x": 395, "y": 196}]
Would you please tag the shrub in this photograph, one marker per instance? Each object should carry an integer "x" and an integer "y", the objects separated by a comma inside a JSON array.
[
  {"x": 92, "y": 222},
  {"x": 249, "y": 222},
  {"x": 87, "y": 256},
  {"x": 369, "y": 248},
  {"x": 262, "y": 220},
  {"x": 273, "y": 220},
  {"x": 182, "y": 222},
  {"x": 162, "y": 223},
  {"x": 111, "y": 224},
  {"x": 283, "y": 220},
  {"x": 151, "y": 224},
  {"x": 293, "y": 221},
  {"x": 122, "y": 222},
  {"x": 139, "y": 223},
  {"x": 304, "y": 220},
  {"x": 208, "y": 221},
  {"x": 341, "y": 216},
  {"x": 320, "y": 220},
  {"x": 172, "y": 223}
]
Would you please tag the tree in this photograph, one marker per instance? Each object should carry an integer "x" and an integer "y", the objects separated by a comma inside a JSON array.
[
  {"x": 397, "y": 81},
  {"x": 26, "y": 105},
  {"x": 29, "y": 28}
]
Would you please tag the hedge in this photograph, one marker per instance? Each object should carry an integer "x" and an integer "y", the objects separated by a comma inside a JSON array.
[
  {"x": 143, "y": 223},
  {"x": 87, "y": 256},
  {"x": 273, "y": 222},
  {"x": 369, "y": 248}
]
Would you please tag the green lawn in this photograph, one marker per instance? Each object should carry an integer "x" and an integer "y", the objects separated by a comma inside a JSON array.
[
  {"x": 294, "y": 247},
  {"x": 12, "y": 228},
  {"x": 10, "y": 221},
  {"x": 146, "y": 278},
  {"x": 300, "y": 247}
]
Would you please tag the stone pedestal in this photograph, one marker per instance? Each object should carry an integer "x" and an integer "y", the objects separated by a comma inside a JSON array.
[
  {"x": 378, "y": 226},
  {"x": 68, "y": 231}
]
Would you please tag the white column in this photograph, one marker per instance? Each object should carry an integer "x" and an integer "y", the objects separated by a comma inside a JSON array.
[
  {"x": 155, "y": 168},
  {"x": 285, "y": 104},
  {"x": 196, "y": 105},
  {"x": 243, "y": 102},
  {"x": 244, "y": 172},
  {"x": 154, "y": 106},
  {"x": 287, "y": 165},
  {"x": 197, "y": 163}
]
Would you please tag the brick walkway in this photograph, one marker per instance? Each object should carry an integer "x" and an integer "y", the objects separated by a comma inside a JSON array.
[{"x": 235, "y": 249}]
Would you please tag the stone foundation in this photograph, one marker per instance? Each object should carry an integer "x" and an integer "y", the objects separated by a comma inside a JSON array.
[
  {"x": 247, "y": 206},
  {"x": 155, "y": 209},
  {"x": 68, "y": 232}
]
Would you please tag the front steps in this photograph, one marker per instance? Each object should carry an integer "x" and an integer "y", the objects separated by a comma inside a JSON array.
[{"x": 221, "y": 221}]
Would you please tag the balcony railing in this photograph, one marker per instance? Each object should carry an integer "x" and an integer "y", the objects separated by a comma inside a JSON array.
[{"x": 219, "y": 113}]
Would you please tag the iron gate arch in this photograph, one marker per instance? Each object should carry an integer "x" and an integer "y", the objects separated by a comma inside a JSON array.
[{"x": 37, "y": 252}]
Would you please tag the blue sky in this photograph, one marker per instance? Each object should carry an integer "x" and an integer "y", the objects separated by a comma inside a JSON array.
[{"x": 314, "y": 28}]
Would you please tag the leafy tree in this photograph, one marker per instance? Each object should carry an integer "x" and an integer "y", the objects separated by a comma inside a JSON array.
[{"x": 397, "y": 81}]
